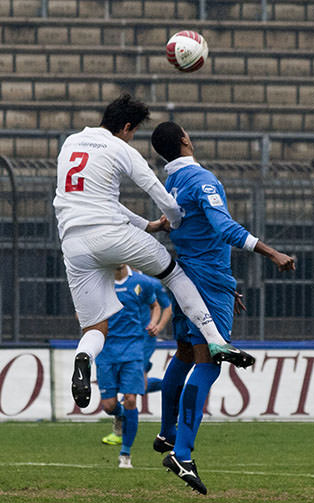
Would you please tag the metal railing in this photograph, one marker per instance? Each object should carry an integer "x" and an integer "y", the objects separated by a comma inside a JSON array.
[
  {"x": 6, "y": 165},
  {"x": 264, "y": 140}
]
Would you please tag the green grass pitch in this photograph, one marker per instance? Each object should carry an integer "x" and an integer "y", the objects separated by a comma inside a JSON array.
[{"x": 238, "y": 462}]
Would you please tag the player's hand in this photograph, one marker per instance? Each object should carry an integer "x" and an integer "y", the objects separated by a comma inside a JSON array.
[
  {"x": 283, "y": 261},
  {"x": 165, "y": 223},
  {"x": 161, "y": 224},
  {"x": 238, "y": 304},
  {"x": 152, "y": 329}
]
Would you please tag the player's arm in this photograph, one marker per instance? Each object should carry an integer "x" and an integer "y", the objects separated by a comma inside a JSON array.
[
  {"x": 166, "y": 309},
  {"x": 281, "y": 260},
  {"x": 135, "y": 219},
  {"x": 234, "y": 234},
  {"x": 155, "y": 312},
  {"x": 164, "y": 319},
  {"x": 142, "y": 223},
  {"x": 166, "y": 204},
  {"x": 140, "y": 172}
]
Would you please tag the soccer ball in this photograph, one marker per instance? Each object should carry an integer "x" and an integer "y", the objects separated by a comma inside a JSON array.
[{"x": 187, "y": 51}]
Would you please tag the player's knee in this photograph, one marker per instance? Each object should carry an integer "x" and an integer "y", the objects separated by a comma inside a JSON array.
[
  {"x": 129, "y": 401},
  {"x": 201, "y": 353},
  {"x": 185, "y": 352},
  {"x": 109, "y": 404}
]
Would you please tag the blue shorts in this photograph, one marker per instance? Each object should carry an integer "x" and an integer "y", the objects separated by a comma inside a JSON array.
[
  {"x": 220, "y": 305},
  {"x": 124, "y": 377},
  {"x": 149, "y": 348}
]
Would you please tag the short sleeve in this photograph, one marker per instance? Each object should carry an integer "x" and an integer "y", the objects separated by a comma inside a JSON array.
[{"x": 148, "y": 291}]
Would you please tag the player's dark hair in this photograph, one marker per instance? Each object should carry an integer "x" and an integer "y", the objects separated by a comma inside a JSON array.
[
  {"x": 166, "y": 140},
  {"x": 122, "y": 110}
]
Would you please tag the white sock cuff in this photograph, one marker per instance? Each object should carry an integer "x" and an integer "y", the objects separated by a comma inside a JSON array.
[{"x": 91, "y": 343}]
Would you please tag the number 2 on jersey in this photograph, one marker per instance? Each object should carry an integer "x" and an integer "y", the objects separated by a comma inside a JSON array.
[{"x": 79, "y": 185}]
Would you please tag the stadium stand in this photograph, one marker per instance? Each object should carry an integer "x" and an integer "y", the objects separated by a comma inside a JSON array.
[{"x": 57, "y": 73}]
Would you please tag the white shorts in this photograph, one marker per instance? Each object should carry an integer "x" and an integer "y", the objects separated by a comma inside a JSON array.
[{"x": 91, "y": 259}]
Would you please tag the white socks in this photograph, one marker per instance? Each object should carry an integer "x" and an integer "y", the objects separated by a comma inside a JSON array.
[
  {"x": 192, "y": 304},
  {"x": 91, "y": 343}
]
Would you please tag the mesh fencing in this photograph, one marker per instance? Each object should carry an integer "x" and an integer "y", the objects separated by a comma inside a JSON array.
[{"x": 275, "y": 202}]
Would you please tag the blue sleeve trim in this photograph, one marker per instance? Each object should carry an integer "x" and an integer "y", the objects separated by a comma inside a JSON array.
[
  {"x": 164, "y": 301},
  {"x": 64, "y": 344}
]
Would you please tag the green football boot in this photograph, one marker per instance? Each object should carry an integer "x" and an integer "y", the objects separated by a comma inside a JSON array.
[
  {"x": 228, "y": 353},
  {"x": 112, "y": 439}
]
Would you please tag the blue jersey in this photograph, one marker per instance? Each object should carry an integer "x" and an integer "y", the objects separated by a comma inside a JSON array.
[
  {"x": 162, "y": 298},
  {"x": 207, "y": 231},
  {"x": 125, "y": 337}
]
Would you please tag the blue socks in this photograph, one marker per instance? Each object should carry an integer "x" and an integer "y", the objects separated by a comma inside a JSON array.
[
  {"x": 172, "y": 386},
  {"x": 153, "y": 384},
  {"x": 118, "y": 410},
  {"x": 130, "y": 424},
  {"x": 191, "y": 407}
]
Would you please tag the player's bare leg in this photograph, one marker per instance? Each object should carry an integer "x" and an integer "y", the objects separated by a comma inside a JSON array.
[{"x": 89, "y": 347}]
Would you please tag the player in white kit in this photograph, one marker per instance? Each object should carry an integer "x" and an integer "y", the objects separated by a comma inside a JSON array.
[{"x": 97, "y": 233}]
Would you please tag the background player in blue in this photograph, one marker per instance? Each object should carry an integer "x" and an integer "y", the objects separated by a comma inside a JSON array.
[
  {"x": 152, "y": 323},
  {"x": 203, "y": 244},
  {"x": 154, "y": 329},
  {"x": 120, "y": 363}
]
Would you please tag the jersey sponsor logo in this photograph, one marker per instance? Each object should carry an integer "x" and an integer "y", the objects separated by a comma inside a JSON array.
[
  {"x": 138, "y": 289},
  {"x": 215, "y": 200},
  {"x": 92, "y": 145},
  {"x": 207, "y": 319},
  {"x": 209, "y": 189}
]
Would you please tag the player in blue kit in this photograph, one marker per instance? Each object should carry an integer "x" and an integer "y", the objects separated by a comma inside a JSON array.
[
  {"x": 152, "y": 326},
  {"x": 203, "y": 245},
  {"x": 120, "y": 363}
]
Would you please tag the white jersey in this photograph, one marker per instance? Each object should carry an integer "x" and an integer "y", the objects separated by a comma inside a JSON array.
[{"x": 91, "y": 164}]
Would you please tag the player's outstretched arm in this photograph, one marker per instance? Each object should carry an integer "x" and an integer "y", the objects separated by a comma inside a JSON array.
[{"x": 281, "y": 260}]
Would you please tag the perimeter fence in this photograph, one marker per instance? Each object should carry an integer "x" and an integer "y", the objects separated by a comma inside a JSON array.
[{"x": 275, "y": 201}]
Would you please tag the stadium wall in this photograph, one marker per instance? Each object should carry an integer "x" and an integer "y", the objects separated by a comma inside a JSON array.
[{"x": 35, "y": 385}]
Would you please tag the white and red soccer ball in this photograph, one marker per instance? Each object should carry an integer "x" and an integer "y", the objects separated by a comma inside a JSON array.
[{"x": 187, "y": 51}]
